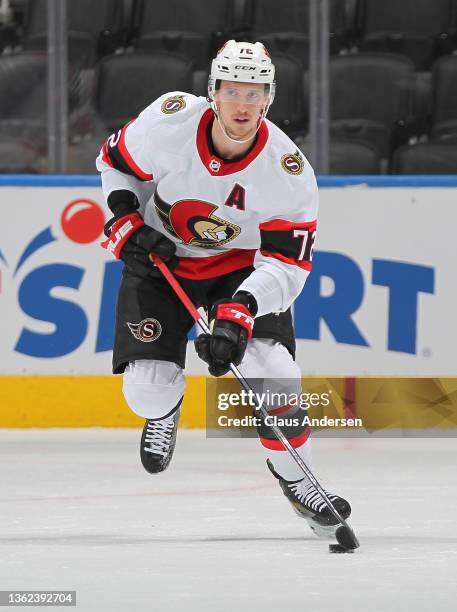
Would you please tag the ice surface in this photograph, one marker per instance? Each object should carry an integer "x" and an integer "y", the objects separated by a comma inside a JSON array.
[{"x": 214, "y": 532}]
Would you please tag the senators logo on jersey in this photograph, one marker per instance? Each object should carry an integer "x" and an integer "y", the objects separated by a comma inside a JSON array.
[
  {"x": 146, "y": 330},
  {"x": 173, "y": 105},
  {"x": 193, "y": 222},
  {"x": 293, "y": 163}
]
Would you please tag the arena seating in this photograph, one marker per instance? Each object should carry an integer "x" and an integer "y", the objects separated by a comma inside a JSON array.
[
  {"x": 126, "y": 84},
  {"x": 369, "y": 94},
  {"x": 287, "y": 30},
  {"x": 94, "y": 27},
  {"x": 23, "y": 98},
  {"x": 125, "y": 53},
  {"x": 426, "y": 158},
  {"x": 289, "y": 108},
  {"x": 444, "y": 113},
  {"x": 195, "y": 30},
  {"x": 419, "y": 29},
  {"x": 349, "y": 157},
  {"x": 19, "y": 156}
]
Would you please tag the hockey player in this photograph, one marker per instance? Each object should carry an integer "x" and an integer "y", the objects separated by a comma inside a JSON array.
[{"x": 230, "y": 203}]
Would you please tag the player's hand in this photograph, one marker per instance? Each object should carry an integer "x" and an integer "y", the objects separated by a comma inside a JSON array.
[
  {"x": 231, "y": 326},
  {"x": 129, "y": 239}
]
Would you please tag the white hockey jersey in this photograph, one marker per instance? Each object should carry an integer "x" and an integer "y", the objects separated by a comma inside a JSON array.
[{"x": 222, "y": 215}]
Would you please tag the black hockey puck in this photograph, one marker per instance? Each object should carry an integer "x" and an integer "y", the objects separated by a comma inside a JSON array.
[
  {"x": 337, "y": 548},
  {"x": 346, "y": 538}
]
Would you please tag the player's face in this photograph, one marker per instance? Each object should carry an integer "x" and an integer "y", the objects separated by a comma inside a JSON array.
[{"x": 240, "y": 106}]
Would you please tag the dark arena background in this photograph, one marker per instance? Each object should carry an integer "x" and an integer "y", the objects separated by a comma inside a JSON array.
[{"x": 367, "y": 92}]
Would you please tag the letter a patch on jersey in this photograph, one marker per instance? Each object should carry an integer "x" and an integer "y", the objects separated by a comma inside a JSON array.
[{"x": 236, "y": 198}]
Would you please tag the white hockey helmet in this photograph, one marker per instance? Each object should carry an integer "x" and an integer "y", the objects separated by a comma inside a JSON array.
[{"x": 243, "y": 62}]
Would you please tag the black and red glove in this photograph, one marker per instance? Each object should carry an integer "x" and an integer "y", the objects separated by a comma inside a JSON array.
[
  {"x": 232, "y": 321},
  {"x": 129, "y": 239}
]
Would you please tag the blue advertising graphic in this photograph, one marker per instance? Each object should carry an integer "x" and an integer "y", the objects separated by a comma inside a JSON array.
[
  {"x": 404, "y": 281},
  {"x": 58, "y": 289},
  {"x": 82, "y": 222}
]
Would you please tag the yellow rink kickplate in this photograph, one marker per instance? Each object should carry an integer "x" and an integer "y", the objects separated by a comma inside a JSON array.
[{"x": 97, "y": 401}]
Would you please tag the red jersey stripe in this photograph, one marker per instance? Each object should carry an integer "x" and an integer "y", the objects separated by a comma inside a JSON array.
[
  {"x": 304, "y": 265},
  {"x": 139, "y": 173},
  {"x": 215, "y": 265},
  {"x": 105, "y": 156},
  {"x": 281, "y": 225}
]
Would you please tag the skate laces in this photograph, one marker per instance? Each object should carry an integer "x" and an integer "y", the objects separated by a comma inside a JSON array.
[
  {"x": 158, "y": 435},
  {"x": 308, "y": 495}
]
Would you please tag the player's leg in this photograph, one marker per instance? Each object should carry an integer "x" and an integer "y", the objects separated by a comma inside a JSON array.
[
  {"x": 150, "y": 347},
  {"x": 270, "y": 356},
  {"x": 154, "y": 390},
  {"x": 270, "y": 365},
  {"x": 269, "y": 359}
]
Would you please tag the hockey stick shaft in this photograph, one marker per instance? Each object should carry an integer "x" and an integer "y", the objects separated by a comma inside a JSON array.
[{"x": 187, "y": 303}]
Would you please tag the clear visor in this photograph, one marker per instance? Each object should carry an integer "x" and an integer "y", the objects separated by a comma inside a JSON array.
[{"x": 245, "y": 95}]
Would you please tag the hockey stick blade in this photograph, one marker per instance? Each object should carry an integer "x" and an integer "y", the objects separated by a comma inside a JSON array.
[{"x": 344, "y": 534}]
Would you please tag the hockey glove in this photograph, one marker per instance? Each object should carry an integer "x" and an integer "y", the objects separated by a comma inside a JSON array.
[
  {"x": 129, "y": 239},
  {"x": 231, "y": 325}
]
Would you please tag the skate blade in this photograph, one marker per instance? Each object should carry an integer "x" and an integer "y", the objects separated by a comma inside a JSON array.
[
  {"x": 326, "y": 532},
  {"x": 323, "y": 532}
]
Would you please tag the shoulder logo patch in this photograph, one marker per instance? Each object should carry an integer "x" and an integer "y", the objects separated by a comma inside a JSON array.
[
  {"x": 173, "y": 105},
  {"x": 146, "y": 330},
  {"x": 293, "y": 163}
]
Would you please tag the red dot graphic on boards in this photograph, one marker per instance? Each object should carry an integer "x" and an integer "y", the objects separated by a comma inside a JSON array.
[{"x": 82, "y": 221}]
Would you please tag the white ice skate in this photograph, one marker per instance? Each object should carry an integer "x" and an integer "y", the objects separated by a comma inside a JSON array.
[
  {"x": 310, "y": 505},
  {"x": 158, "y": 443}
]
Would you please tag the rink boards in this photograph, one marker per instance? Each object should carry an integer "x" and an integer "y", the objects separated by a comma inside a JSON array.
[
  {"x": 380, "y": 301},
  {"x": 384, "y": 405}
]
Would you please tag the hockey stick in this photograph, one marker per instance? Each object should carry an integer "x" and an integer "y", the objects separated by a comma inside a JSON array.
[{"x": 344, "y": 534}]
